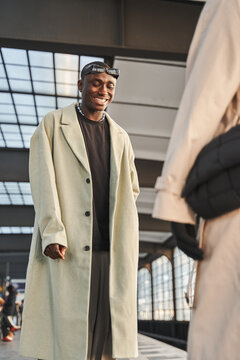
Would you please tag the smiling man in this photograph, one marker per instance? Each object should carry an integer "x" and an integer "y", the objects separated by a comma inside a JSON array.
[{"x": 80, "y": 298}]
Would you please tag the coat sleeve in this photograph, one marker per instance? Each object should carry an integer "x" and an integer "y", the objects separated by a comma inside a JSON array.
[
  {"x": 213, "y": 77},
  {"x": 43, "y": 186},
  {"x": 133, "y": 171}
]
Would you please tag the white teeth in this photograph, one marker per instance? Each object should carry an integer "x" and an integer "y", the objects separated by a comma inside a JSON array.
[{"x": 102, "y": 100}]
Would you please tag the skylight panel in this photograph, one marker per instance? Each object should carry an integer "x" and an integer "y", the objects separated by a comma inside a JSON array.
[
  {"x": 10, "y": 128},
  {"x": 27, "y": 132},
  {"x": 5, "y": 98},
  {"x": 27, "y": 199},
  {"x": 3, "y": 79},
  {"x": 41, "y": 74},
  {"x": 12, "y": 187},
  {"x": 2, "y": 72},
  {"x": 12, "y": 137},
  {"x": 62, "y": 102},
  {"x": 40, "y": 118},
  {"x": 3, "y": 84},
  {"x": 16, "y": 230},
  {"x": 5, "y": 230},
  {"x": 47, "y": 101},
  {"x": 7, "y": 118},
  {"x": 15, "y": 193},
  {"x": 20, "y": 85},
  {"x": 41, "y": 58},
  {"x": 7, "y": 109},
  {"x": 27, "y": 119},
  {"x": 14, "y": 56},
  {"x": 25, "y": 110},
  {"x": 42, "y": 111},
  {"x": 14, "y": 143},
  {"x": 18, "y": 72},
  {"x": 4, "y": 199},
  {"x": 66, "y": 61},
  {"x": 23, "y": 99},
  {"x": 44, "y": 87},
  {"x": 25, "y": 187},
  {"x": 67, "y": 77},
  {"x": 67, "y": 90},
  {"x": 39, "y": 82},
  {"x": 16, "y": 199}
]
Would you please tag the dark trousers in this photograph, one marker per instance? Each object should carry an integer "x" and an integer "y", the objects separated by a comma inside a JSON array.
[
  {"x": 99, "y": 330},
  {"x": 5, "y": 325}
]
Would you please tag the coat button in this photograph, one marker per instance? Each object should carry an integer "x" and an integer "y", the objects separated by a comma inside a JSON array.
[
  {"x": 86, "y": 248},
  {"x": 87, "y": 213},
  {"x": 88, "y": 181}
]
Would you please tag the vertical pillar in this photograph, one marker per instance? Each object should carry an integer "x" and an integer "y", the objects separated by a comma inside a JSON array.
[
  {"x": 173, "y": 286},
  {"x": 7, "y": 268},
  {"x": 151, "y": 276},
  {"x": 149, "y": 267}
]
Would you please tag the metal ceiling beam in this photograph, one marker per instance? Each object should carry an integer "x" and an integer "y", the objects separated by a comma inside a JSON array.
[
  {"x": 14, "y": 167},
  {"x": 156, "y": 29},
  {"x": 14, "y": 164},
  {"x": 147, "y": 223},
  {"x": 15, "y": 242},
  {"x": 23, "y": 215},
  {"x": 16, "y": 215},
  {"x": 22, "y": 242},
  {"x": 155, "y": 248},
  {"x": 146, "y": 261},
  {"x": 148, "y": 171},
  {"x": 13, "y": 264}
]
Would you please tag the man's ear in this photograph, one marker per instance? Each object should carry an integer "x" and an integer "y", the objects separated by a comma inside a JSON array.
[{"x": 80, "y": 85}]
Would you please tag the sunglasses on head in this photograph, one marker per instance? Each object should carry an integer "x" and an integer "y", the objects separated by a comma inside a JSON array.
[{"x": 95, "y": 69}]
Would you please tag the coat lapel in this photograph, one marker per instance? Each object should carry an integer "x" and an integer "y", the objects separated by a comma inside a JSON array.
[
  {"x": 117, "y": 146},
  {"x": 73, "y": 135}
]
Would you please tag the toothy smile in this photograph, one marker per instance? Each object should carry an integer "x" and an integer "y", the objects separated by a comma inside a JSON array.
[{"x": 101, "y": 100}]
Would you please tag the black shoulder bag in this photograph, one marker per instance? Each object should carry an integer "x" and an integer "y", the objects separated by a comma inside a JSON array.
[{"x": 213, "y": 184}]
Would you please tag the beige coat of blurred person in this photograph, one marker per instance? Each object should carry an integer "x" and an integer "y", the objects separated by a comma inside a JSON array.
[
  {"x": 209, "y": 107},
  {"x": 56, "y": 307}
]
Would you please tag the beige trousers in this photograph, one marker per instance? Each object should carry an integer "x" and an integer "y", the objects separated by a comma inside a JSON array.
[
  {"x": 99, "y": 338},
  {"x": 215, "y": 325}
]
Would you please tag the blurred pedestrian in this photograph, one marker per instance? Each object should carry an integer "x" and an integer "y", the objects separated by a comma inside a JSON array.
[
  {"x": 5, "y": 324},
  {"x": 9, "y": 307}
]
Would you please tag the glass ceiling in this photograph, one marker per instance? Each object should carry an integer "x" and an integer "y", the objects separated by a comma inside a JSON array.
[
  {"x": 15, "y": 193},
  {"x": 16, "y": 230},
  {"x": 32, "y": 83}
]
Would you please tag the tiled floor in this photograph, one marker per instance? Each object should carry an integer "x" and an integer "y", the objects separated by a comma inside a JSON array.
[
  {"x": 149, "y": 349},
  {"x": 9, "y": 351}
]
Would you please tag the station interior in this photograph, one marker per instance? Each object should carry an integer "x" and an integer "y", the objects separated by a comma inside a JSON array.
[{"x": 43, "y": 47}]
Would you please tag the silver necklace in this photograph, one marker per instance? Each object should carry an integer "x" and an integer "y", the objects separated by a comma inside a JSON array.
[{"x": 81, "y": 112}]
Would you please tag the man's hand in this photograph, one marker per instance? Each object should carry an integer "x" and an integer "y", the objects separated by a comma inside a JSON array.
[
  {"x": 55, "y": 251},
  {"x": 185, "y": 236}
]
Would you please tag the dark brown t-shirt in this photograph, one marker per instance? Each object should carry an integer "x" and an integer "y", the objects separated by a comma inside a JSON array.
[{"x": 97, "y": 141}]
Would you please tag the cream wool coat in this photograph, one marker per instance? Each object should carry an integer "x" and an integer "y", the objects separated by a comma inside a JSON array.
[
  {"x": 209, "y": 106},
  {"x": 55, "y": 319}
]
